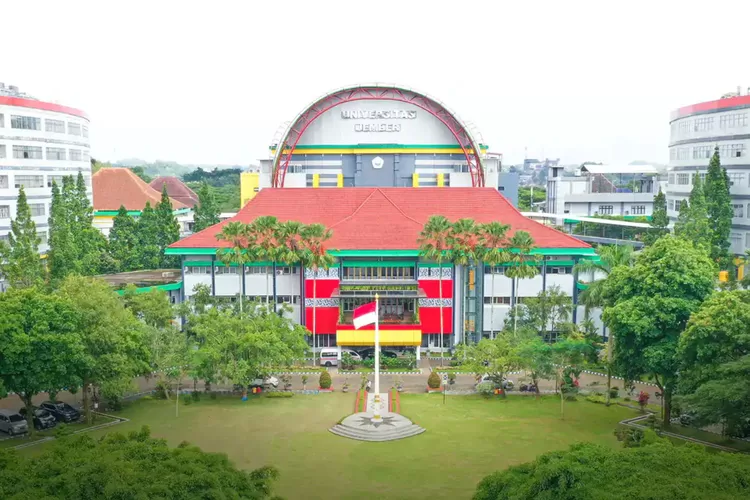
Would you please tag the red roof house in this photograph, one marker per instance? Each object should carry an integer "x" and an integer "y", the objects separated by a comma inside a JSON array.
[
  {"x": 116, "y": 187},
  {"x": 176, "y": 189}
]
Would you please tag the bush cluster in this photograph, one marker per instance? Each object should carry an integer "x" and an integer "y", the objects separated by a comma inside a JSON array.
[
  {"x": 433, "y": 381},
  {"x": 279, "y": 394},
  {"x": 325, "y": 380}
]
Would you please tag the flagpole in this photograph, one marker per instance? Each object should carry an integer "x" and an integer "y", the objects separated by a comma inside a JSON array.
[{"x": 376, "y": 409}]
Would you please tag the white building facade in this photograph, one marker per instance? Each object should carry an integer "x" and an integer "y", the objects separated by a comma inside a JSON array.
[
  {"x": 695, "y": 132},
  {"x": 40, "y": 142}
]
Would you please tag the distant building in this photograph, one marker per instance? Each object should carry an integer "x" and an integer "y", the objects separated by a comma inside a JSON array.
[
  {"x": 119, "y": 187},
  {"x": 176, "y": 189},
  {"x": 695, "y": 131},
  {"x": 626, "y": 190}
]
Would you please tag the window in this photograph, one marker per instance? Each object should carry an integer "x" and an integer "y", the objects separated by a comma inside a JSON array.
[
  {"x": 255, "y": 270},
  {"x": 677, "y": 204},
  {"x": 733, "y": 120},
  {"x": 27, "y": 152},
  {"x": 494, "y": 270},
  {"x": 679, "y": 153},
  {"x": 560, "y": 270},
  {"x": 736, "y": 178},
  {"x": 606, "y": 209},
  {"x": 25, "y": 122},
  {"x": 4, "y": 212},
  {"x": 56, "y": 126},
  {"x": 671, "y": 178},
  {"x": 85, "y": 130},
  {"x": 75, "y": 154},
  {"x": 225, "y": 270},
  {"x": 739, "y": 210},
  {"x": 378, "y": 273},
  {"x": 37, "y": 209},
  {"x": 638, "y": 210},
  {"x": 86, "y": 156},
  {"x": 198, "y": 270},
  {"x": 497, "y": 300},
  {"x": 287, "y": 299},
  {"x": 683, "y": 179},
  {"x": 732, "y": 150},
  {"x": 2, "y": 120},
  {"x": 29, "y": 181},
  {"x": 702, "y": 175},
  {"x": 74, "y": 129},
  {"x": 42, "y": 238},
  {"x": 57, "y": 179},
  {"x": 670, "y": 204},
  {"x": 702, "y": 152},
  {"x": 2, "y": 150},
  {"x": 702, "y": 124},
  {"x": 747, "y": 240},
  {"x": 684, "y": 128},
  {"x": 735, "y": 240},
  {"x": 3, "y": 182},
  {"x": 55, "y": 153}
]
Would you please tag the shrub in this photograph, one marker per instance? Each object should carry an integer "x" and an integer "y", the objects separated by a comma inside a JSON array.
[
  {"x": 279, "y": 394},
  {"x": 643, "y": 397},
  {"x": 161, "y": 390},
  {"x": 571, "y": 397},
  {"x": 213, "y": 395},
  {"x": 596, "y": 398},
  {"x": 347, "y": 361},
  {"x": 630, "y": 438},
  {"x": 304, "y": 381},
  {"x": 286, "y": 379},
  {"x": 187, "y": 401},
  {"x": 614, "y": 392},
  {"x": 196, "y": 396},
  {"x": 626, "y": 398},
  {"x": 451, "y": 378},
  {"x": 486, "y": 389},
  {"x": 433, "y": 381},
  {"x": 325, "y": 380},
  {"x": 63, "y": 430},
  {"x": 363, "y": 382}
]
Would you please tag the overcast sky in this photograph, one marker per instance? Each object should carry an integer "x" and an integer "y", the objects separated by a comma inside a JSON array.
[{"x": 212, "y": 84}]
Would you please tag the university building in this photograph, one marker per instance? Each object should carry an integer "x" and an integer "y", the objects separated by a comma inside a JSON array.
[{"x": 375, "y": 233}]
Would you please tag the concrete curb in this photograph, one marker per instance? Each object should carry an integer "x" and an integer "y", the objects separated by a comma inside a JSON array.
[
  {"x": 618, "y": 378},
  {"x": 356, "y": 372}
]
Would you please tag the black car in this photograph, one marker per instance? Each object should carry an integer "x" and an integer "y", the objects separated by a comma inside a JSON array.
[
  {"x": 42, "y": 418},
  {"x": 62, "y": 412},
  {"x": 370, "y": 353}
]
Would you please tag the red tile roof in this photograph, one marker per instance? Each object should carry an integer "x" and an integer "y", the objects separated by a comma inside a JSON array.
[
  {"x": 383, "y": 218},
  {"x": 115, "y": 187},
  {"x": 176, "y": 189}
]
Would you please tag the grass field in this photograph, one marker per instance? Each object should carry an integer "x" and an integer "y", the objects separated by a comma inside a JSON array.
[{"x": 466, "y": 439}]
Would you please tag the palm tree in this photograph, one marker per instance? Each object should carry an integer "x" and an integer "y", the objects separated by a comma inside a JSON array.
[
  {"x": 493, "y": 243},
  {"x": 433, "y": 245},
  {"x": 237, "y": 252},
  {"x": 610, "y": 257},
  {"x": 523, "y": 266},
  {"x": 315, "y": 256},
  {"x": 264, "y": 230},
  {"x": 290, "y": 244},
  {"x": 463, "y": 243}
]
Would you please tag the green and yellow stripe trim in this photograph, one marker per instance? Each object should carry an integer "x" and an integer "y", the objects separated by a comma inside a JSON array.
[{"x": 319, "y": 149}]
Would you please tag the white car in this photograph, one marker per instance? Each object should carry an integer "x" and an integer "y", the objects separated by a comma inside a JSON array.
[
  {"x": 265, "y": 382},
  {"x": 507, "y": 383}
]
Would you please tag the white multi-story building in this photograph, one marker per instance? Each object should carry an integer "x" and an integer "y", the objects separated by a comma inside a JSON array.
[
  {"x": 40, "y": 142},
  {"x": 695, "y": 132},
  {"x": 594, "y": 190}
]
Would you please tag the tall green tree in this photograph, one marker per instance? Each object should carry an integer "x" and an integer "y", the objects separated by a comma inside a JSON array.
[
  {"x": 124, "y": 241},
  {"x": 207, "y": 210},
  {"x": 41, "y": 348},
  {"x": 149, "y": 248},
  {"x": 720, "y": 212},
  {"x": 168, "y": 230},
  {"x": 651, "y": 304},
  {"x": 548, "y": 311},
  {"x": 693, "y": 224},
  {"x": 659, "y": 219},
  {"x": 62, "y": 255},
  {"x": 683, "y": 217},
  {"x": 114, "y": 342},
  {"x": 535, "y": 357},
  {"x": 463, "y": 241},
  {"x": 568, "y": 355},
  {"x": 495, "y": 358},
  {"x": 315, "y": 257},
  {"x": 610, "y": 257},
  {"x": 434, "y": 245},
  {"x": 494, "y": 252},
  {"x": 524, "y": 265},
  {"x": 290, "y": 244},
  {"x": 236, "y": 252},
  {"x": 91, "y": 244},
  {"x": 20, "y": 263}
]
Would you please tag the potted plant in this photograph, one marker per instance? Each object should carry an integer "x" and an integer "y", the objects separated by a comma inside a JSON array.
[
  {"x": 399, "y": 384},
  {"x": 345, "y": 387},
  {"x": 304, "y": 382}
]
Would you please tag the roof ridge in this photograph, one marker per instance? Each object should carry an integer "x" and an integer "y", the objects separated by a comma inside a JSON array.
[
  {"x": 355, "y": 210},
  {"x": 399, "y": 208}
]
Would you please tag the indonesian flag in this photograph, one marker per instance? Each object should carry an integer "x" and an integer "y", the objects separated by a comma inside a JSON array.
[{"x": 365, "y": 315}]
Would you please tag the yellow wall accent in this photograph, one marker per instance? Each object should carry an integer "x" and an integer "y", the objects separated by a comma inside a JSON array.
[
  {"x": 387, "y": 337},
  {"x": 339, "y": 180},
  {"x": 249, "y": 183},
  {"x": 740, "y": 272},
  {"x": 415, "y": 180},
  {"x": 723, "y": 276},
  {"x": 316, "y": 180},
  {"x": 441, "y": 180}
]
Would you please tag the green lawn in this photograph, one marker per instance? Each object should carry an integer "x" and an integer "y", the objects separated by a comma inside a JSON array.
[{"x": 466, "y": 439}]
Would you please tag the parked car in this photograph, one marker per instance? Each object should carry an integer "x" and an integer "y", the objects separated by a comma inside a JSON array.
[
  {"x": 12, "y": 422},
  {"x": 370, "y": 353},
  {"x": 507, "y": 383},
  {"x": 265, "y": 383},
  {"x": 329, "y": 356},
  {"x": 42, "y": 418},
  {"x": 62, "y": 412}
]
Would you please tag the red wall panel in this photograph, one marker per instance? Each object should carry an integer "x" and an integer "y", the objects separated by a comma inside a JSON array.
[
  {"x": 430, "y": 319},
  {"x": 432, "y": 288},
  {"x": 325, "y": 319},
  {"x": 323, "y": 288}
]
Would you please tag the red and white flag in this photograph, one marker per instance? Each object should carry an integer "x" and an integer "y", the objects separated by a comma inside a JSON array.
[{"x": 365, "y": 315}]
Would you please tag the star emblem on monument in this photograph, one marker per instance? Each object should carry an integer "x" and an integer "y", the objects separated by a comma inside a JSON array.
[{"x": 370, "y": 421}]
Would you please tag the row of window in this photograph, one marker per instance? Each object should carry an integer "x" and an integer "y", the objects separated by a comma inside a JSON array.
[
  {"x": 280, "y": 270},
  {"x": 551, "y": 269},
  {"x": 378, "y": 273},
  {"x": 36, "y": 153},
  {"x": 42, "y": 237},
  {"x": 726, "y": 121},
  {"x": 35, "y": 181},
  {"x": 507, "y": 300},
  {"x": 37, "y": 210},
  {"x": 705, "y": 152},
  {"x": 737, "y": 208},
  {"x": 735, "y": 178},
  {"x": 50, "y": 125}
]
